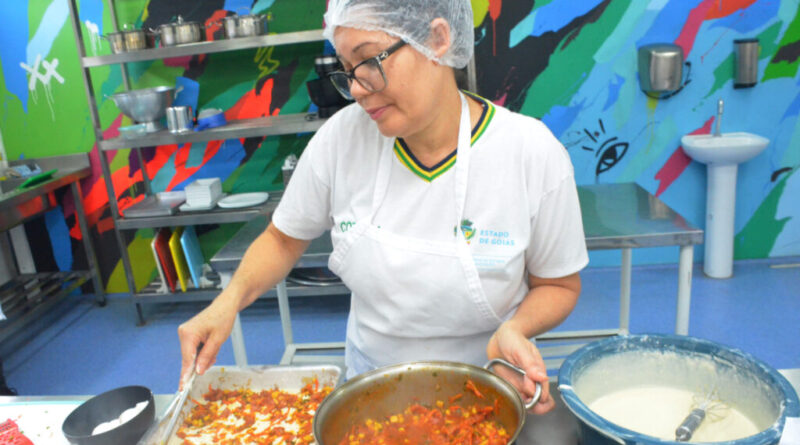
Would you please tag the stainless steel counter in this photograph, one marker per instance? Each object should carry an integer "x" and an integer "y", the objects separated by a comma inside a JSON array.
[
  {"x": 618, "y": 216},
  {"x": 29, "y": 296},
  {"x": 18, "y": 205},
  {"x": 615, "y": 216},
  {"x": 554, "y": 420},
  {"x": 227, "y": 259}
]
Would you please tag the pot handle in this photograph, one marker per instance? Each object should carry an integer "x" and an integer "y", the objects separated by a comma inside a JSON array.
[{"x": 536, "y": 395}]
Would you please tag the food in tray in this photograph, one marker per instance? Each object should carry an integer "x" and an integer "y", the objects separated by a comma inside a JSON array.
[
  {"x": 446, "y": 423},
  {"x": 270, "y": 416}
]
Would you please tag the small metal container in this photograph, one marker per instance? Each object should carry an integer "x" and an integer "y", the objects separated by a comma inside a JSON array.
[
  {"x": 180, "y": 119},
  {"x": 746, "y": 63},
  {"x": 660, "y": 67}
]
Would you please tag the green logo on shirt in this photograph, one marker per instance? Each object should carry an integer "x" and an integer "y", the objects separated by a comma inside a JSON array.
[{"x": 466, "y": 228}]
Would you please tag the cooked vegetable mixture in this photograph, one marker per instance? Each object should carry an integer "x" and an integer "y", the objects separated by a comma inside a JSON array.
[
  {"x": 243, "y": 416},
  {"x": 442, "y": 424}
]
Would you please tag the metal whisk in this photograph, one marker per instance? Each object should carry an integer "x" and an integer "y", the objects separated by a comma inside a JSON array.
[{"x": 704, "y": 407}]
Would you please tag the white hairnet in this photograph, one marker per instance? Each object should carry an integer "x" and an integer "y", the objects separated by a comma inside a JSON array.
[{"x": 409, "y": 20}]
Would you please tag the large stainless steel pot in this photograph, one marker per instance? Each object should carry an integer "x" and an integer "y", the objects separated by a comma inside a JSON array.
[{"x": 386, "y": 391}]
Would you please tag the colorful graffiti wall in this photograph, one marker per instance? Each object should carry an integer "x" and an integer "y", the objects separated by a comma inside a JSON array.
[{"x": 572, "y": 63}]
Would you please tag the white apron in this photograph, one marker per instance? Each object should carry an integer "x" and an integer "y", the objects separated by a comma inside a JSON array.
[{"x": 413, "y": 299}]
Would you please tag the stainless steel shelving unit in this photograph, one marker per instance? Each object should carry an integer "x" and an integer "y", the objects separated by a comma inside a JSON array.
[
  {"x": 244, "y": 128},
  {"x": 215, "y": 46},
  {"x": 241, "y": 128},
  {"x": 28, "y": 297}
]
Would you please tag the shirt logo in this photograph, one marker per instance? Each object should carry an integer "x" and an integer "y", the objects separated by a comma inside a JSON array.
[{"x": 467, "y": 229}]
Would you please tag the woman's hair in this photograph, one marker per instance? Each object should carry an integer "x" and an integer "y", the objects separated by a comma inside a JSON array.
[{"x": 411, "y": 21}]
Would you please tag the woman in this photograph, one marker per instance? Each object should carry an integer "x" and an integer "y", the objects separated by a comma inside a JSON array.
[{"x": 455, "y": 223}]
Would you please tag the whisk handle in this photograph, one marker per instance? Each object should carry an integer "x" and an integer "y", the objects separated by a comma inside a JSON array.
[{"x": 690, "y": 425}]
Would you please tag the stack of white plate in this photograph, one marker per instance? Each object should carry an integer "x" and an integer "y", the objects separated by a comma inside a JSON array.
[{"x": 203, "y": 193}]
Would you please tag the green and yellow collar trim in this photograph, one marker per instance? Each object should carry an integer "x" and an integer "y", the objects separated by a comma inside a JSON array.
[{"x": 428, "y": 174}]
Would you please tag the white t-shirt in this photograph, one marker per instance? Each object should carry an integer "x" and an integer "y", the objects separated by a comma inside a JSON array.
[{"x": 521, "y": 208}]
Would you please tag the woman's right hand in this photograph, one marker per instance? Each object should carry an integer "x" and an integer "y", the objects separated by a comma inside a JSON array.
[{"x": 209, "y": 329}]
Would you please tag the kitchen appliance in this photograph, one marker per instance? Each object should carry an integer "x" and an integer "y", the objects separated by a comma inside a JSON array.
[
  {"x": 660, "y": 67},
  {"x": 746, "y": 63},
  {"x": 145, "y": 106},
  {"x": 321, "y": 91},
  {"x": 622, "y": 365},
  {"x": 80, "y": 423},
  {"x": 313, "y": 276},
  {"x": 386, "y": 391}
]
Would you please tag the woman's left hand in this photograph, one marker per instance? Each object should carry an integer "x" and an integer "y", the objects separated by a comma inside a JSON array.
[{"x": 510, "y": 344}]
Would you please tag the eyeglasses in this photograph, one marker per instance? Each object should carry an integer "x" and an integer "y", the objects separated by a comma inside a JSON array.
[{"x": 369, "y": 74}]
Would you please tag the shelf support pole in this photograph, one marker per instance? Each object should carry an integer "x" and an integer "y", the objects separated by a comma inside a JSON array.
[{"x": 98, "y": 132}]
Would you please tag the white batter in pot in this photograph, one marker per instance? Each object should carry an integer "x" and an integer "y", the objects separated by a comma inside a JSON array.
[
  {"x": 651, "y": 392},
  {"x": 658, "y": 410}
]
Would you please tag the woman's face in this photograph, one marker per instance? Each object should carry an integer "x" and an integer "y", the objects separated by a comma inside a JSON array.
[{"x": 406, "y": 105}]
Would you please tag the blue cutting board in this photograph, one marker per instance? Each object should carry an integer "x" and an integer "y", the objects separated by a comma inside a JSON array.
[{"x": 194, "y": 257}]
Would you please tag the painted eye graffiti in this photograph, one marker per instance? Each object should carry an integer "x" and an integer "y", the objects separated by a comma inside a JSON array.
[
  {"x": 611, "y": 155},
  {"x": 610, "y": 152}
]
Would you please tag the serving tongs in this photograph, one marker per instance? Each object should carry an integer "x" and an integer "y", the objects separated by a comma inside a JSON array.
[
  {"x": 173, "y": 413},
  {"x": 181, "y": 399}
]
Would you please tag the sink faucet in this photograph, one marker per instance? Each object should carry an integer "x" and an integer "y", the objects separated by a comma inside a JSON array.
[{"x": 720, "y": 107}]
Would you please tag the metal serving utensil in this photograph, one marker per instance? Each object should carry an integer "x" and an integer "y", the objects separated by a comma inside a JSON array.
[{"x": 180, "y": 399}]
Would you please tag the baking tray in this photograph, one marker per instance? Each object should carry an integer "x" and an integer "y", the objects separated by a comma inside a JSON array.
[{"x": 285, "y": 377}]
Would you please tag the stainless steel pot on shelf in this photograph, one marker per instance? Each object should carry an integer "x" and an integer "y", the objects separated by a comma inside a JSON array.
[
  {"x": 179, "y": 32},
  {"x": 128, "y": 39},
  {"x": 249, "y": 25}
]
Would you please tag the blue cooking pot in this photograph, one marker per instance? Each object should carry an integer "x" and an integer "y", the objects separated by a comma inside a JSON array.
[{"x": 610, "y": 364}]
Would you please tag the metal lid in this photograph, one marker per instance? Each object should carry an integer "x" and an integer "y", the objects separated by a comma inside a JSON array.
[{"x": 180, "y": 22}]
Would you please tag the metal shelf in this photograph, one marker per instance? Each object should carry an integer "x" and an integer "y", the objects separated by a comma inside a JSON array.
[
  {"x": 214, "y": 46},
  {"x": 154, "y": 293},
  {"x": 214, "y": 216},
  {"x": 236, "y": 129},
  {"x": 28, "y": 297}
]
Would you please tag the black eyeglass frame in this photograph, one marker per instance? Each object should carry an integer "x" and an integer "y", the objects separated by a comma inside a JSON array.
[{"x": 350, "y": 74}]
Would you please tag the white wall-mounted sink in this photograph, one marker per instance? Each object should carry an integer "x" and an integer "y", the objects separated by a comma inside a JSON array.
[
  {"x": 728, "y": 148},
  {"x": 722, "y": 154}
]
